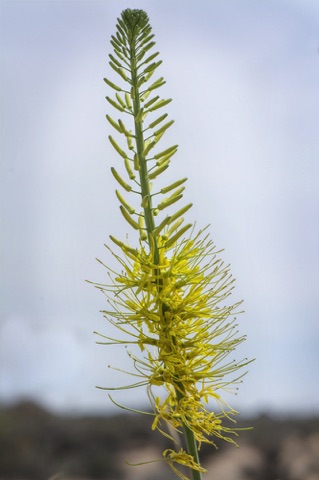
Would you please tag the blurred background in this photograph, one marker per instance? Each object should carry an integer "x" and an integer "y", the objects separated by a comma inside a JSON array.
[{"x": 244, "y": 78}]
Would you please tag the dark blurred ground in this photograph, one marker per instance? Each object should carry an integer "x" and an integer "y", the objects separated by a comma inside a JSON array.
[{"x": 38, "y": 445}]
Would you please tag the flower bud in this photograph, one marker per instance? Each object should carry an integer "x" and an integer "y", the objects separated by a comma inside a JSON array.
[
  {"x": 120, "y": 180},
  {"x": 111, "y": 84},
  {"x": 128, "y": 218}
]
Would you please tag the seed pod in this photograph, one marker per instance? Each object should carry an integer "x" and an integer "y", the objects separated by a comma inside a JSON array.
[
  {"x": 128, "y": 218},
  {"x": 120, "y": 180},
  {"x": 122, "y": 200},
  {"x": 177, "y": 235},
  {"x": 111, "y": 84},
  {"x": 117, "y": 148},
  {"x": 173, "y": 185}
]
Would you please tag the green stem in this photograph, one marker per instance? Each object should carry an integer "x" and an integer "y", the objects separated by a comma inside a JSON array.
[
  {"x": 143, "y": 171},
  {"x": 191, "y": 444}
]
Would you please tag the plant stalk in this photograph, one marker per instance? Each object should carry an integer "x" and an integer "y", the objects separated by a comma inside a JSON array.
[{"x": 191, "y": 444}]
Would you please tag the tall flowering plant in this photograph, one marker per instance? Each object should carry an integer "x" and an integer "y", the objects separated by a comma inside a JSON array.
[{"x": 169, "y": 296}]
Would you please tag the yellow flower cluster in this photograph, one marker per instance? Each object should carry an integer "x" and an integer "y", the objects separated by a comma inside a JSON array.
[{"x": 173, "y": 310}]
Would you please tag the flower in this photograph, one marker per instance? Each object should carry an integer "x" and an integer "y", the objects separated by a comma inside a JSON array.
[{"x": 170, "y": 295}]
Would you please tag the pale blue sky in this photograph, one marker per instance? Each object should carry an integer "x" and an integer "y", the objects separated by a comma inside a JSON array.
[{"x": 244, "y": 77}]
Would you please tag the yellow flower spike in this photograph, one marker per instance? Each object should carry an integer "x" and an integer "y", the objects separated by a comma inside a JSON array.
[{"x": 170, "y": 295}]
